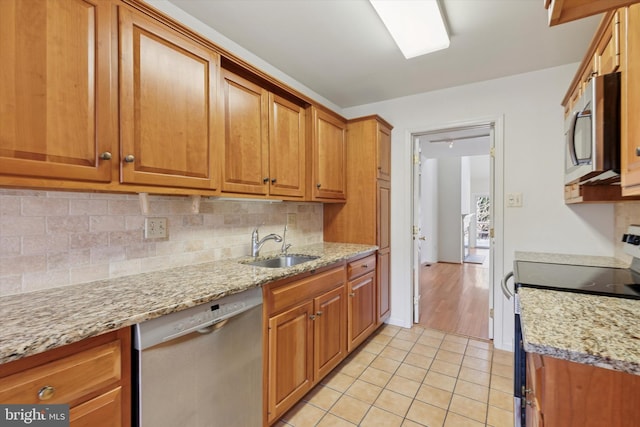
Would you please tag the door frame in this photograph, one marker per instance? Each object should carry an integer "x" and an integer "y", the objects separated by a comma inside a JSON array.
[{"x": 497, "y": 208}]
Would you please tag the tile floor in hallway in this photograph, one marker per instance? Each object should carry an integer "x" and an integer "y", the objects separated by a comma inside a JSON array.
[{"x": 411, "y": 378}]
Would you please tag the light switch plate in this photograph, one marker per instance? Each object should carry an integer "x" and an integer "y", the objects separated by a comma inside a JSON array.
[
  {"x": 155, "y": 228},
  {"x": 514, "y": 200}
]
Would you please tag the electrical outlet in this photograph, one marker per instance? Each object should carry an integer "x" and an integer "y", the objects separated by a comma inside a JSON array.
[
  {"x": 292, "y": 220},
  {"x": 514, "y": 200},
  {"x": 155, "y": 228}
]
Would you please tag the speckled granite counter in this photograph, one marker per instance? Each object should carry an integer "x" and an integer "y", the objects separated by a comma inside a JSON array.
[
  {"x": 591, "y": 329},
  {"x": 596, "y": 261},
  {"x": 34, "y": 322}
]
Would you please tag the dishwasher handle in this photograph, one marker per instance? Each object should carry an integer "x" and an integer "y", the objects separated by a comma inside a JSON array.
[{"x": 505, "y": 289}]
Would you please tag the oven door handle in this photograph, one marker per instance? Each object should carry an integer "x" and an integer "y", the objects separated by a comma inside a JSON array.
[{"x": 505, "y": 290}]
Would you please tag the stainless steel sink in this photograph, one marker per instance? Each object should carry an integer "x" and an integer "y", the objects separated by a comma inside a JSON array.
[{"x": 282, "y": 261}]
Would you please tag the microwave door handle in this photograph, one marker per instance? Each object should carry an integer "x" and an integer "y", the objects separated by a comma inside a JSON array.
[{"x": 570, "y": 139}]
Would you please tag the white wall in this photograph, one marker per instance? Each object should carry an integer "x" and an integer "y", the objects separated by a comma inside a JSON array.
[
  {"x": 429, "y": 210},
  {"x": 449, "y": 208},
  {"x": 465, "y": 185},
  {"x": 531, "y": 162}
]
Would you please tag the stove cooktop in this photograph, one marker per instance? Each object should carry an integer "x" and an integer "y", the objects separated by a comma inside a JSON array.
[{"x": 615, "y": 282}]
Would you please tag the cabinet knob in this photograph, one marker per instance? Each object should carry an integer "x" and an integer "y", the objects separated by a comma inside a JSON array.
[
  {"x": 352, "y": 294},
  {"x": 312, "y": 317},
  {"x": 638, "y": 151},
  {"x": 318, "y": 186},
  {"x": 105, "y": 156},
  {"x": 319, "y": 313},
  {"x": 46, "y": 392},
  {"x": 130, "y": 158},
  {"x": 365, "y": 265},
  {"x": 273, "y": 180},
  {"x": 265, "y": 180}
]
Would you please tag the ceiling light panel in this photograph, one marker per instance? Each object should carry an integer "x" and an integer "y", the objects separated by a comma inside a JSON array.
[{"x": 416, "y": 26}]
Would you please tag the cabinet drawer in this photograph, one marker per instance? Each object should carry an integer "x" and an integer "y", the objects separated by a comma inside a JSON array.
[
  {"x": 361, "y": 266},
  {"x": 278, "y": 298},
  {"x": 69, "y": 378}
]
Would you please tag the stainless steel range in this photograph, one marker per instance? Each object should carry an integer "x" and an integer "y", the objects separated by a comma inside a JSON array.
[{"x": 598, "y": 280}]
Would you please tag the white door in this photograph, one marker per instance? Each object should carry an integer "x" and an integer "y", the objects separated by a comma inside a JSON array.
[
  {"x": 418, "y": 238},
  {"x": 492, "y": 239}
]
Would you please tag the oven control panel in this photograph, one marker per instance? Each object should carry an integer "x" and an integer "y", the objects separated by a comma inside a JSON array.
[{"x": 631, "y": 240}]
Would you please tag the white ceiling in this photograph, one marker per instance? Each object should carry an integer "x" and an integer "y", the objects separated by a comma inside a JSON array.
[{"x": 340, "y": 49}]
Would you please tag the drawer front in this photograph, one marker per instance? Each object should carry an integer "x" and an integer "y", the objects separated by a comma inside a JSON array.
[
  {"x": 65, "y": 380},
  {"x": 361, "y": 266},
  {"x": 280, "y": 297}
]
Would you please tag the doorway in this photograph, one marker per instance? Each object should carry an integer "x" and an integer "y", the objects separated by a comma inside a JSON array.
[{"x": 453, "y": 228}]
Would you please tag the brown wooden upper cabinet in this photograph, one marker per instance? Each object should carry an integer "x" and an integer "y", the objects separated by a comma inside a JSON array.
[
  {"x": 168, "y": 88},
  {"x": 328, "y": 157},
  {"x": 384, "y": 152},
  {"x": 264, "y": 143},
  {"x": 49, "y": 127},
  {"x": 561, "y": 11},
  {"x": 630, "y": 150}
]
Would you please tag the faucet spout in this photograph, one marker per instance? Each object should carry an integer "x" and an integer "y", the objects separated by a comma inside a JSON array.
[{"x": 257, "y": 243}]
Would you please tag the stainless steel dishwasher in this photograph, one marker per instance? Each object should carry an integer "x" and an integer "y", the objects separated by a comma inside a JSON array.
[{"x": 201, "y": 367}]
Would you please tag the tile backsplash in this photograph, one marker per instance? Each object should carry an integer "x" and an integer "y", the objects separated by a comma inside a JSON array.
[{"x": 50, "y": 239}]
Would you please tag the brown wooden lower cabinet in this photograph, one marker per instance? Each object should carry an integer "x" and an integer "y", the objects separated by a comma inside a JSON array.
[
  {"x": 309, "y": 323},
  {"x": 561, "y": 393},
  {"x": 93, "y": 376}
]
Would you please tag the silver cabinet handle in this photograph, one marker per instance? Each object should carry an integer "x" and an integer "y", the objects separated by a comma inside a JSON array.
[
  {"x": 130, "y": 158},
  {"x": 318, "y": 186},
  {"x": 638, "y": 151},
  {"x": 503, "y": 284},
  {"x": 352, "y": 294},
  {"x": 273, "y": 180},
  {"x": 46, "y": 392},
  {"x": 319, "y": 313},
  {"x": 312, "y": 317},
  {"x": 105, "y": 156},
  {"x": 265, "y": 180}
]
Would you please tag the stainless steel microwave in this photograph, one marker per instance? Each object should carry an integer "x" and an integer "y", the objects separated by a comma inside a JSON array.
[{"x": 592, "y": 132}]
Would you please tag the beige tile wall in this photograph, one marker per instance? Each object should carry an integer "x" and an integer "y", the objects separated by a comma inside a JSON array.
[
  {"x": 626, "y": 213},
  {"x": 50, "y": 239}
]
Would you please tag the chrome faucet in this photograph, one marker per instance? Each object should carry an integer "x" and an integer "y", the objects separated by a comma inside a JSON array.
[
  {"x": 285, "y": 245},
  {"x": 256, "y": 243}
]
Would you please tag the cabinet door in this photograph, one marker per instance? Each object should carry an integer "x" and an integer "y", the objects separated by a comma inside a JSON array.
[
  {"x": 287, "y": 146},
  {"x": 630, "y": 152},
  {"x": 383, "y": 215},
  {"x": 384, "y": 285},
  {"x": 103, "y": 411},
  {"x": 608, "y": 50},
  {"x": 361, "y": 309},
  {"x": 384, "y": 152},
  {"x": 290, "y": 363},
  {"x": 245, "y": 144},
  {"x": 329, "y": 154},
  {"x": 330, "y": 341},
  {"x": 167, "y": 109},
  {"x": 56, "y": 78},
  {"x": 533, "y": 397}
]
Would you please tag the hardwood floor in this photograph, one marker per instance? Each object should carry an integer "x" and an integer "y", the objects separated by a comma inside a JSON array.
[{"x": 455, "y": 297}]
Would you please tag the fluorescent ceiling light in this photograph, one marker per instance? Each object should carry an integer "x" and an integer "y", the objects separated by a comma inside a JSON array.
[{"x": 416, "y": 25}]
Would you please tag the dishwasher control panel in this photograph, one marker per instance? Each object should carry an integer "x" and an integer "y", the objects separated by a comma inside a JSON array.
[{"x": 200, "y": 317}]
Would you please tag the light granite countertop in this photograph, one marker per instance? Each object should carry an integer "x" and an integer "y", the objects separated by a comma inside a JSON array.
[
  {"x": 590, "y": 329},
  {"x": 38, "y": 321},
  {"x": 595, "y": 261}
]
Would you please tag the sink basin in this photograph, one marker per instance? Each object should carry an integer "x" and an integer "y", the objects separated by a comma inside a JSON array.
[{"x": 282, "y": 261}]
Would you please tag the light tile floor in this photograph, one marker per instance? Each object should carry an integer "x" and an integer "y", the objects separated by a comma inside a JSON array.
[{"x": 413, "y": 378}]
